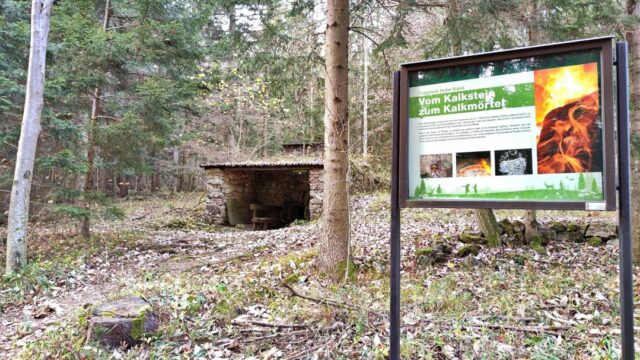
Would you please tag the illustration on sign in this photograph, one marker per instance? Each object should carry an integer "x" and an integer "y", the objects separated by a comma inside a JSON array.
[{"x": 526, "y": 129}]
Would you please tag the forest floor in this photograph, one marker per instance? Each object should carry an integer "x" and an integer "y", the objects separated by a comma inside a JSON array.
[{"x": 224, "y": 293}]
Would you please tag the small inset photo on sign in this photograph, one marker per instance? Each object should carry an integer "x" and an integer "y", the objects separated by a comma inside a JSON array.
[
  {"x": 436, "y": 166},
  {"x": 513, "y": 162},
  {"x": 472, "y": 164}
]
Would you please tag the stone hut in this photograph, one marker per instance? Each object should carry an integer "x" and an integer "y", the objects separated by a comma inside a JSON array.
[{"x": 287, "y": 190}]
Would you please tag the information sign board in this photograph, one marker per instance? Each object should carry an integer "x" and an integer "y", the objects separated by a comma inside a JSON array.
[{"x": 530, "y": 128}]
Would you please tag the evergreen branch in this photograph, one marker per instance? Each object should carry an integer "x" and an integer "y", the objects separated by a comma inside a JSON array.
[{"x": 356, "y": 29}]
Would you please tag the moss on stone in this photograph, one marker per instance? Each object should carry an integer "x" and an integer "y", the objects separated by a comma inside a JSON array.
[
  {"x": 595, "y": 241},
  {"x": 137, "y": 326},
  {"x": 506, "y": 226},
  {"x": 573, "y": 227},
  {"x": 537, "y": 245},
  {"x": 470, "y": 249},
  {"x": 424, "y": 251},
  {"x": 558, "y": 226},
  {"x": 468, "y": 238},
  {"x": 292, "y": 279}
]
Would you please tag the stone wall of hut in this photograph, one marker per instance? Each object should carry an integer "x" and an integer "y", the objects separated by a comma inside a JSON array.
[{"x": 276, "y": 188}]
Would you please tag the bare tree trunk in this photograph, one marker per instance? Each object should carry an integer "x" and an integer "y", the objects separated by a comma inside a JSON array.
[
  {"x": 365, "y": 99},
  {"x": 633, "y": 37},
  {"x": 488, "y": 226},
  {"x": 182, "y": 175},
  {"x": 334, "y": 248},
  {"x": 531, "y": 226},
  {"x": 34, "y": 102},
  {"x": 82, "y": 227},
  {"x": 176, "y": 168},
  {"x": 85, "y": 223},
  {"x": 485, "y": 218}
]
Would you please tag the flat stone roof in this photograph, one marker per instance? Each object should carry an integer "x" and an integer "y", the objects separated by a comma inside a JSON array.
[{"x": 265, "y": 165}]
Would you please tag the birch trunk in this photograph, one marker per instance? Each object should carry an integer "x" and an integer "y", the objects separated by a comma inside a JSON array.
[
  {"x": 34, "y": 102},
  {"x": 334, "y": 247},
  {"x": 633, "y": 38}
]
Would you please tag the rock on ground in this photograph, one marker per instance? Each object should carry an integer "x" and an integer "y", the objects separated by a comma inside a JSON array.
[{"x": 123, "y": 322}]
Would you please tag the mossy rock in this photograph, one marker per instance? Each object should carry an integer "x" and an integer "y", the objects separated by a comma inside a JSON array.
[
  {"x": 537, "y": 244},
  {"x": 438, "y": 253},
  {"x": 424, "y": 251},
  {"x": 512, "y": 232},
  {"x": 573, "y": 227},
  {"x": 426, "y": 256},
  {"x": 546, "y": 235},
  {"x": 469, "y": 249},
  {"x": 121, "y": 322},
  {"x": 442, "y": 247},
  {"x": 574, "y": 237},
  {"x": 470, "y": 238},
  {"x": 595, "y": 241},
  {"x": 558, "y": 226},
  {"x": 506, "y": 226}
]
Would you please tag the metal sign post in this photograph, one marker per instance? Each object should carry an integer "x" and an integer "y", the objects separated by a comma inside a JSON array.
[
  {"x": 624, "y": 204},
  {"x": 394, "y": 328},
  {"x": 400, "y": 170}
]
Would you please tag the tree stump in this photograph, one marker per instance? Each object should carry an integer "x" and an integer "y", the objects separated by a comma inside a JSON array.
[{"x": 122, "y": 323}]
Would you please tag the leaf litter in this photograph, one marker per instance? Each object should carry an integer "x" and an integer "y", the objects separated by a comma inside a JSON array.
[{"x": 224, "y": 293}]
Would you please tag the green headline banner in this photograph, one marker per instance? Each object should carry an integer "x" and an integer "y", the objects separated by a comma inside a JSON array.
[{"x": 494, "y": 98}]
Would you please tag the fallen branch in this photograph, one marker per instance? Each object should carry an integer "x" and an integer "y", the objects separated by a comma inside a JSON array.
[
  {"x": 239, "y": 256},
  {"x": 266, "y": 324},
  {"x": 318, "y": 300},
  {"x": 303, "y": 353},
  {"x": 271, "y": 336},
  {"x": 552, "y": 330},
  {"x": 141, "y": 216}
]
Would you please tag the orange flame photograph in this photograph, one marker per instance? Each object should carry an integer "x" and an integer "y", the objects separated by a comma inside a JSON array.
[
  {"x": 567, "y": 115},
  {"x": 473, "y": 164}
]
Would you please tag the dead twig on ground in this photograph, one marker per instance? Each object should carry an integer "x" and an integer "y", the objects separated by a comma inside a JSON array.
[
  {"x": 318, "y": 300},
  {"x": 551, "y": 330},
  {"x": 271, "y": 336},
  {"x": 141, "y": 216},
  {"x": 266, "y": 324},
  {"x": 302, "y": 353}
]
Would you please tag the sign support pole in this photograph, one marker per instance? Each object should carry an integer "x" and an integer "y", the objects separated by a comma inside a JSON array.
[
  {"x": 394, "y": 326},
  {"x": 624, "y": 204}
]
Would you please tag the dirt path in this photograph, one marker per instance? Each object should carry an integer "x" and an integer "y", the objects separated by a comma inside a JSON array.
[{"x": 164, "y": 252}]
